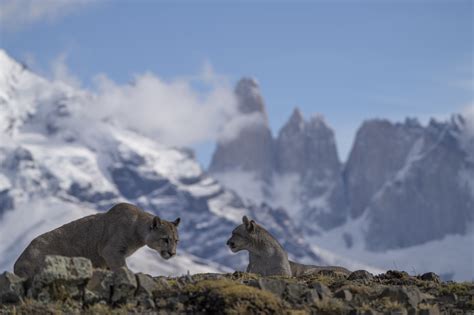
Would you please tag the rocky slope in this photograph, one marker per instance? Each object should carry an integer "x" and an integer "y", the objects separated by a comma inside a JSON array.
[
  {"x": 431, "y": 195},
  {"x": 70, "y": 285},
  {"x": 380, "y": 149},
  {"x": 58, "y": 163}
]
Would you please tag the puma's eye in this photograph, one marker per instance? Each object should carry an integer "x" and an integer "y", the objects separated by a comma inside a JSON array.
[{"x": 166, "y": 240}]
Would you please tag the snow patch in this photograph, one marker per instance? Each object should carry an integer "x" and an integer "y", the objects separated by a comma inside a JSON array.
[
  {"x": 285, "y": 193},
  {"x": 240, "y": 122},
  {"x": 245, "y": 184},
  {"x": 452, "y": 255},
  {"x": 4, "y": 183},
  {"x": 222, "y": 207},
  {"x": 149, "y": 261}
]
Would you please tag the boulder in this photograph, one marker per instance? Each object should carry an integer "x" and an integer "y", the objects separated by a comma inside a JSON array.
[
  {"x": 61, "y": 278},
  {"x": 411, "y": 296},
  {"x": 430, "y": 276},
  {"x": 321, "y": 289},
  {"x": 275, "y": 286},
  {"x": 99, "y": 287},
  {"x": 75, "y": 270},
  {"x": 11, "y": 288},
  {"x": 344, "y": 294},
  {"x": 125, "y": 285},
  {"x": 360, "y": 275},
  {"x": 146, "y": 285}
]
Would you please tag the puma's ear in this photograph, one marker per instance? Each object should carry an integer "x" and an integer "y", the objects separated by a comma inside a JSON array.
[
  {"x": 156, "y": 222},
  {"x": 176, "y": 222},
  {"x": 245, "y": 220},
  {"x": 251, "y": 226}
]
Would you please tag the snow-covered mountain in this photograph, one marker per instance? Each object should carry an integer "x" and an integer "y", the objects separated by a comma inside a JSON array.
[
  {"x": 406, "y": 189},
  {"x": 427, "y": 191},
  {"x": 58, "y": 163}
]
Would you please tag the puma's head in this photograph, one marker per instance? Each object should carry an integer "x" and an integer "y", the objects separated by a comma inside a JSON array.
[
  {"x": 244, "y": 236},
  {"x": 163, "y": 237}
]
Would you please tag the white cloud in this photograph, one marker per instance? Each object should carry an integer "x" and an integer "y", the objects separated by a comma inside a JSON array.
[
  {"x": 15, "y": 14},
  {"x": 232, "y": 128},
  {"x": 468, "y": 114},
  {"x": 60, "y": 72},
  {"x": 173, "y": 112},
  {"x": 185, "y": 111}
]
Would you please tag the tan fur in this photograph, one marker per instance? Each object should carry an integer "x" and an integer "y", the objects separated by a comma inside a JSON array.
[
  {"x": 298, "y": 269},
  {"x": 104, "y": 238},
  {"x": 266, "y": 256}
]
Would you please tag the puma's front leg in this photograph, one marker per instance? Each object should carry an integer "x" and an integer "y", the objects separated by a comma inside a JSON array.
[{"x": 113, "y": 257}]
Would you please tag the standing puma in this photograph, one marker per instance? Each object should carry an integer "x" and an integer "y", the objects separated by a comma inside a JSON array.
[
  {"x": 104, "y": 238},
  {"x": 266, "y": 256}
]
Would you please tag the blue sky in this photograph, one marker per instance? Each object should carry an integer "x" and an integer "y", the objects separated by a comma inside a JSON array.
[{"x": 348, "y": 60}]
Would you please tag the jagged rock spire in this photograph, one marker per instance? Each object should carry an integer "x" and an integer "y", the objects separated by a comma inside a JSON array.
[
  {"x": 249, "y": 97},
  {"x": 252, "y": 149}
]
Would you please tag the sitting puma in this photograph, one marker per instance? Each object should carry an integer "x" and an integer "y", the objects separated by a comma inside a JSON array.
[
  {"x": 266, "y": 256},
  {"x": 104, "y": 238}
]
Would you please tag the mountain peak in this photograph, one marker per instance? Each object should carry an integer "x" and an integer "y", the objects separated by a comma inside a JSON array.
[
  {"x": 5, "y": 59},
  {"x": 295, "y": 123},
  {"x": 318, "y": 121},
  {"x": 296, "y": 116},
  {"x": 8, "y": 65},
  {"x": 247, "y": 83},
  {"x": 249, "y": 96}
]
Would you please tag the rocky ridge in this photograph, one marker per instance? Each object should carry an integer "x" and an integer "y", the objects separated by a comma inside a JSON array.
[{"x": 72, "y": 286}]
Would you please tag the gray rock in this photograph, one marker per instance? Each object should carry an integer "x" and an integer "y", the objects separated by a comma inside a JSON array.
[
  {"x": 146, "y": 285},
  {"x": 76, "y": 270},
  {"x": 430, "y": 276},
  {"x": 396, "y": 274},
  {"x": 61, "y": 278},
  {"x": 99, "y": 287},
  {"x": 343, "y": 294},
  {"x": 430, "y": 310},
  {"x": 321, "y": 289},
  {"x": 411, "y": 296},
  {"x": 147, "y": 303},
  {"x": 275, "y": 286},
  {"x": 294, "y": 293},
  {"x": 360, "y": 275},
  {"x": 125, "y": 285},
  {"x": 11, "y": 288},
  {"x": 298, "y": 294}
]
